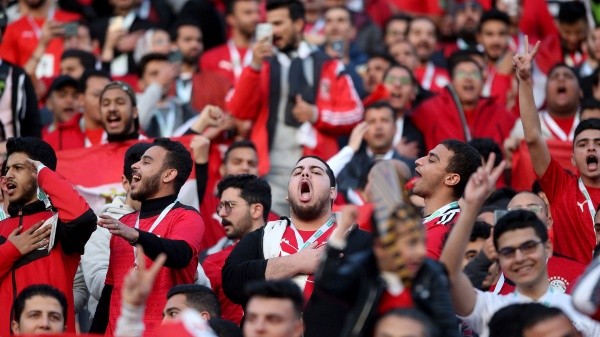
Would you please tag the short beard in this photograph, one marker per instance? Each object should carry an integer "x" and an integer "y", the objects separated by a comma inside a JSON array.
[
  {"x": 310, "y": 212},
  {"x": 37, "y": 5},
  {"x": 29, "y": 194},
  {"x": 148, "y": 188}
]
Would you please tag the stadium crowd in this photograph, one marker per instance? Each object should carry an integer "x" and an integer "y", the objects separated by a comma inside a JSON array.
[{"x": 288, "y": 168}]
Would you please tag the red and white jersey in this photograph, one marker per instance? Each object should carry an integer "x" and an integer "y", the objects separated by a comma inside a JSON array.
[
  {"x": 437, "y": 225},
  {"x": 432, "y": 78}
]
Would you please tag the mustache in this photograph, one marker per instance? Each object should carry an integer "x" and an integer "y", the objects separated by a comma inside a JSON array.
[{"x": 225, "y": 222}]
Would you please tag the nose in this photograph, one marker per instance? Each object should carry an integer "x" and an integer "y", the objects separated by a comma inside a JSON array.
[
  {"x": 135, "y": 166},
  {"x": 419, "y": 161},
  {"x": 45, "y": 322},
  {"x": 222, "y": 212},
  {"x": 519, "y": 256}
]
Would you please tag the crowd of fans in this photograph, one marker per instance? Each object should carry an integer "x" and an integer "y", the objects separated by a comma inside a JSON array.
[{"x": 289, "y": 168}]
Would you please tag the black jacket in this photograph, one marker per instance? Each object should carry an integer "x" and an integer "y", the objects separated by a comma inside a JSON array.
[
  {"x": 357, "y": 282},
  {"x": 323, "y": 315},
  {"x": 24, "y": 104}
]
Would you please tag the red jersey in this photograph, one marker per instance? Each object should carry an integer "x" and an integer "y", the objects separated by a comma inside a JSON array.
[
  {"x": 432, "y": 78},
  {"x": 423, "y": 7},
  {"x": 180, "y": 223},
  {"x": 573, "y": 226},
  {"x": 213, "y": 265},
  {"x": 22, "y": 36},
  {"x": 437, "y": 226},
  {"x": 438, "y": 119},
  {"x": 562, "y": 274},
  {"x": 227, "y": 60},
  {"x": 65, "y": 136}
]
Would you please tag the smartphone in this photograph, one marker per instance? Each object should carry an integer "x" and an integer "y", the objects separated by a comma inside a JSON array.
[
  {"x": 338, "y": 47},
  {"x": 175, "y": 56},
  {"x": 264, "y": 31},
  {"x": 70, "y": 29}
]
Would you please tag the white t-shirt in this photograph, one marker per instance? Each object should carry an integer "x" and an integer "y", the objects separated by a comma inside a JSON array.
[{"x": 488, "y": 303}]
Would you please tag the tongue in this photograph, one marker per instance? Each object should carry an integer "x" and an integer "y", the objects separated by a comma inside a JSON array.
[
  {"x": 305, "y": 196},
  {"x": 592, "y": 166}
]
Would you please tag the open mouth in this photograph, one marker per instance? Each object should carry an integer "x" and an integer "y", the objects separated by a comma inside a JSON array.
[
  {"x": 561, "y": 90},
  {"x": 114, "y": 120},
  {"x": 136, "y": 177},
  {"x": 592, "y": 162},
  {"x": 10, "y": 187},
  {"x": 305, "y": 191}
]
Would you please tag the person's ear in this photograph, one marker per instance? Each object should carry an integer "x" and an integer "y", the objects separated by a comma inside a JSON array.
[
  {"x": 256, "y": 211},
  {"x": 452, "y": 179},
  {"x": 169, "y": 175},
  {"x": 14, "y": 327},
  {"x": 125, "y": 183}
]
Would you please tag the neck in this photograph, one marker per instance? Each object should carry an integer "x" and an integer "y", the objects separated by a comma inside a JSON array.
[
  {"x": 240, "y": 39},
  {"x": 311, "y": 225},
  {"x": 566, "y": 112},
  {"x": 469, "y": 105},
  {"x": 122, "y": 11},
  {"x": 380, "y": 151},
  {"x": 91, "y": 124},
  {"x": 423, "y": 63},
  {"x": 40, "y": 12},
  {"x": 591, "y": 181},
  {"x": 535, "y": 291},
  {"x": 435, "y": 202},
  {"x": 189, "y": 68}
]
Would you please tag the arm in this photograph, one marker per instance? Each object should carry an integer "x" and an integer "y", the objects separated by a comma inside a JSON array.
[
  {"x": 94, "y": 262},
  {"x": 80, "y": 291},
  {"x": 538, "y": 149},
  {"x": 585, "y": 295},
  {"x": 19, "y": 244},
  {"x": 146, "y": 102},
  {"x": 200, "y": 146},
  {"x": 178, "y": 252},
  {"x": 479, "y": 186},
  {"x": 345, "y": 109},
  {"x": 342, "y": 158}
]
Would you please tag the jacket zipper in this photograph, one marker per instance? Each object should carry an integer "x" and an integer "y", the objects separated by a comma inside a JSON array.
[{"x": 13, "y": 271}]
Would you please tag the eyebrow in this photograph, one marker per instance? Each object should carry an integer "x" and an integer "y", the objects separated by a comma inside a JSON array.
[
  {"x": 432, "y": 154},
  {"x": 310, "y": 168},
  {"x": 147, "y": 157}
]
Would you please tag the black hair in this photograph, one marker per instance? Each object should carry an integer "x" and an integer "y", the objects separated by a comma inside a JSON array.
[
  {"x": 281, "y": 289},
  {"x": 90, "y": 73},
  {"x": 34, "y": 148},
  {"x": 464, "y": 161},
  {"x": 146, "y": 59},
  {"x": 198, "y": 297},
  {"x": 240, "y": 144},
  {"x": 229, "y": 4},
  {"x": 415, "y": 315},
  {"x": 481, "y": 230},
  {"x": 520, "y": 219},
  {"x": 44, "y": 290},
  {"x": 534, "y": 313},
  {"x": 382, "y": 104},
  {"x": 563, "y": 65},
  {"x": 133, "y": 154},
  {"x": 225, "y": 328},
  {"x": 590, "y": 103},
  {"x": 178, "y": 158},
  {"x": 493, "y": 15},
  {"x": 328, "y": 169},
  {"x": 507, "y": 322},
  {"x": 123, "y": 86},
  {"x": 295, "y": 8},
  {"x": 345, "y": 9},
  {"x": 397, "y": 17},
  {"x": 588, "y": 124},
  {"x": 253, "y": 190},
  {"x": 87, "y": 59},
  {"x": 463, "y": 56},
  {"x": 536, "y": 187},
  {"x": 182, "y": 22},
  {"x": 485, "y": 147},
  {"x": 571, "y": 11},
  {"x": 381, "y": 55}
]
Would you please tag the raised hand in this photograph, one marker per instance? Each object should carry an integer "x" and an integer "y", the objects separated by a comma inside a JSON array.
[
  {"x": 139, "y": 281},
  {"x": 523, "y": 62},
  {"x": 357, "y": 135},
  {"x": 303, "y": 111},
  {"x": 116, "y": 227},
  {"x": 483, "y": 181}
]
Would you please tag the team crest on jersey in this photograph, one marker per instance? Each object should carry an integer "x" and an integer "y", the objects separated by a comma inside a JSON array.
[
  {"x": 325, "y": 89},
  {"x": 559, "y": 284}
]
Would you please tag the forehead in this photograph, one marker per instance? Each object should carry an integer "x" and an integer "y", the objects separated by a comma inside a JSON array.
[
  {"x": 398, "y": 71},
  {"x": 311, "y": 162},
  {"x": 379, "y": 112},
  {"x": 270, "y": 306},
  {"x": 561, "y": 70},
  {"x": 96, "y": 81},
  {"x": 65, "y": 89},
  {"x": 587, "y": 134},
  {"x": 190, "y": 30},
  {"x": 16, "y": 157},
  {"x": 278, "y": 14},
  {"x": 421, "y": 24},
  {"x": 516, "y": 237},
  {"x": 156, "y": 64},
  {"x": 115, "y": 93},
  {"x": 337, "y": 13},
  {"x": 71, "y": 60},
  {"x": 493, "y": 25},
  {"x": 156, "y": 152},
  {"x": 39, "y": 302},
  {"x": 399, "y": 326},
  {"x": 443, "y": 152},
  {"x": 231, "y": 193},
  {"x": 242, "y": 153},
  {"x": 467, "y": 66},
  {"x": 524, "y": 199},
  {"x": 177, "y": 301}
]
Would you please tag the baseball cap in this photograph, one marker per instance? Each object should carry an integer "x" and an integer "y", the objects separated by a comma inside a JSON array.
[{"x": 63, "y": 81}]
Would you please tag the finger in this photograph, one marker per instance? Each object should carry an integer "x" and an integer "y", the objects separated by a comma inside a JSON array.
[
  {"x": 35, "y": 227},
  {"x": 157, "y": 265},
  {"x": 140, "y": 258},
  {"x": 535, "y": 49},
  {"x": 298, "y": 99},
  {"x": 498, "y": 170},
  {"x": 15, "y": 231},
  {"x": 313, "y": 245},
  {"x": 526, "y": 44},
  {"x": 41, "y": 244},
  {"x": 489, "y": 165}
]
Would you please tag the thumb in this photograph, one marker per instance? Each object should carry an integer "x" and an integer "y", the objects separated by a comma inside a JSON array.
[{"x": 299, "y": 99}]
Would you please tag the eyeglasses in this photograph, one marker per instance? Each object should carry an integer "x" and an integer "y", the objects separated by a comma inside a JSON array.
[
  {"x": 464, "y": 74},
  {"x": 401, "y": 80},
  {"x": 537, "y": 209},
  {"x": 228, "y": 205},
  {"x": 526, "y": 248}
]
